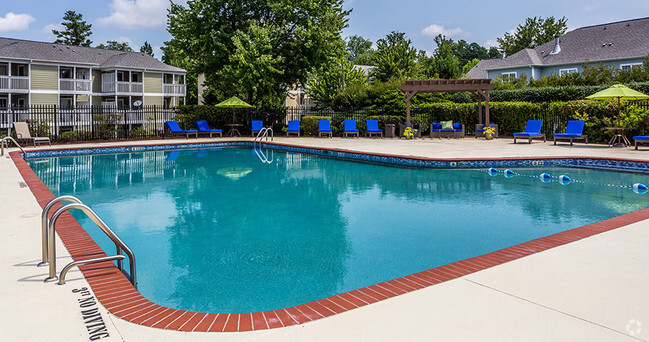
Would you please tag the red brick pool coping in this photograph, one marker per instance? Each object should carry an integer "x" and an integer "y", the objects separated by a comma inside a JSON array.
[{"x": 121, "y": 299}]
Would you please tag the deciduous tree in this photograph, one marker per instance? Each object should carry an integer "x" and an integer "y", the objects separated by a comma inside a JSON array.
[
  {"x": 395, "y": 57},
  {"x": 115, "y": 45},
  {"x": 254, "y": 49},
  {"x": 534, "y": 32}
]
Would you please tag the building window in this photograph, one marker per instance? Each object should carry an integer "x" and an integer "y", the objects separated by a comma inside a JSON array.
[
  {"x": 628, "y": 67},
  {"x": 65, "y": 73},
  {"x": 65, "y": 103},
  {"x": 509, "y": 76},
  {"x": 21, "y": 71},
  {"x": 563, "y": 72},
  {"x": 3, "y": 103}
]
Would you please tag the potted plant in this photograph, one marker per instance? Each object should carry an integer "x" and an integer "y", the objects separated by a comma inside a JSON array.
[
  {"x": 489, "y": 132},
  {"x": 409, "y": 132}
]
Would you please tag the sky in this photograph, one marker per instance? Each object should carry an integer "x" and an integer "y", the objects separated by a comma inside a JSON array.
[{"x": 136, "y": 21}]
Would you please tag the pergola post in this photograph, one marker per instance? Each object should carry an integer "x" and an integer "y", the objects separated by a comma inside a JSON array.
[
  {"x": 486, "y": 113},
  {"x": 409, "y": 96}
]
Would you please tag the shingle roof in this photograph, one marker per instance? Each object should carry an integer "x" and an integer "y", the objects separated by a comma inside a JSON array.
[
  {"x": 98, "y": 58},
  {"x": 624, "y": 39}
]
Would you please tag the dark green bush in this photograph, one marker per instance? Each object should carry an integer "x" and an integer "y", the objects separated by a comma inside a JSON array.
[{"x": 309, "y": 124}]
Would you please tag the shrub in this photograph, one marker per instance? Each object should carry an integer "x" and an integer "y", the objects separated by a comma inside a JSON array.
[
  {"x": 68, "y": 136},
  {"x": 309, "y": 124}
]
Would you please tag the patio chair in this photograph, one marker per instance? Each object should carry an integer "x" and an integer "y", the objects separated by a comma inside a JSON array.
[
  {"x": 350, "y": 128},
  {"x": 324, "y": 128},
  {"x": 574, "y": 130},
  {"x": 22, "y": 133},
  {"x": 293, "y": 128},
  {"x": 175, "y": 129},
  {"x": 479, "y": 130},
  {"x": 435, "y": 128},
  {"x": 532, "y": 130},
  {"x": 204, "y": 128},
  {"x": 373, "y": 128},
  {"x": 257, "y": 125},
  {"x": 640, "y": 139}
]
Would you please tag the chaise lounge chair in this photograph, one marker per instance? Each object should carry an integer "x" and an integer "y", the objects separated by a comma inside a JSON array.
[
  {"x": 257, "y": 125},
  {"x": 574, "y": 130},
  {"x": 373, "y": 128},
  {"x": 22, "y": 133},
  {"x": 640, "y": 139},
  {"x": 324, "y": 128},
  {"x": 204, "y": 128},
  {"x": 175, "y": 129},
  {"x": 293, "y": 128},
  {"x": 532, "y": 130},
  {"x": 350, "y": 128}
]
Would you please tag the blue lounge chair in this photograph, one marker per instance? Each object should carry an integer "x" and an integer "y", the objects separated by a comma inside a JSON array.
[
  {"x": 373, "y": 128},
  {"x": 175, "y": 129},
  {"x": 350, "y": 128},
  {"x": 293, "y": 128},
  {"x": 479, "y": 130},
  {"x": 532, "y": 130},
  {"x": 204, "y": 128},
  {"x": 257, "y": 125},
  {"x": 640, "y": 139},
  {"x": 324, "y": 127},
  {"x": 574, "y": 130}
]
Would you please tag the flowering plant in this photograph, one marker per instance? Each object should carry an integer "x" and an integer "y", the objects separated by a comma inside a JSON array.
[
  {"x": 409, "y": 132},
  {"x": 489, "y": 130}
]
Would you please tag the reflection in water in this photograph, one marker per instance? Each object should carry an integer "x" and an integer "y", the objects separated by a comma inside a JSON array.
[{"x": 303, "y": 227}]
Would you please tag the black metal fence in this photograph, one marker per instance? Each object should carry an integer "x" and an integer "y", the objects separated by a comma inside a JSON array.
[{"x": 88, "y": 122}]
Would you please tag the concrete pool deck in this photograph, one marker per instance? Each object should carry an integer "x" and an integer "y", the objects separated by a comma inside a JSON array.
[{"x": 592, "y": 289}]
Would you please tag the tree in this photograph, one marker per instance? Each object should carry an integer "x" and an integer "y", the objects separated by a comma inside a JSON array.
[
  {"x": 146, "y": 48},
  {"x": 469, "y": 65},
  {"x": 534, "y": 32},
  {"x": 493, "y": 52},
  {"x": 115, "y": 45},
  {"x": 395, "y": 57},
  {"x": 254, "y": 49},
  {"x": 444, "y": 64},
  {"x": 360, "y": 50},
  {"x": 76, "y": 30},
  {"x": 466, "y": 52},
  {"x": 328, "y": 81}
]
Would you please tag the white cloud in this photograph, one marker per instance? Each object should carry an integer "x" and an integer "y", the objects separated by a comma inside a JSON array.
[
  {"x": 491, "y": 43},
  {"x": 134, "y": 14},
  {"x": 15, "y": 22},
  {"x": 434, "y": 30},
  {"x": 48, "y": 28}
]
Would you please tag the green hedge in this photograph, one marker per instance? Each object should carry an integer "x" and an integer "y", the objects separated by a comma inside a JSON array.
[{"x": 309, "y": 124}]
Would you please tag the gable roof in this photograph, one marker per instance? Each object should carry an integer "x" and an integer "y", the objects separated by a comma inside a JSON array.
[
  {"x": 94, "y": 57},
  {"x": 618, "y": 40}
]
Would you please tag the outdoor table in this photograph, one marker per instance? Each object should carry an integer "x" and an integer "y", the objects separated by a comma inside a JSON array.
[
  {"x": 618, "y": 139},
  {"x": 233, "y": 129}
]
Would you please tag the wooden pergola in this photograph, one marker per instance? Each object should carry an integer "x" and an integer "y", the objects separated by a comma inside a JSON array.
[{"x": 478, "y": 87}]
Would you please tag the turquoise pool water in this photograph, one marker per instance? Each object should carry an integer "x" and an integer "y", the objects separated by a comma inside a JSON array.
[{"x": 217, "y": 230}]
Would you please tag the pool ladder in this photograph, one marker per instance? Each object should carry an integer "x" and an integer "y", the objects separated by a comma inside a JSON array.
[
  {"x": 4, "y": 143},
  {"x": 263, "y": 155},
  {"x": 48, "y": 225}
]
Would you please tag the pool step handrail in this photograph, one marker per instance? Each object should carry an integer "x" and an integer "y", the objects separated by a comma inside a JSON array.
[
  {"x": 119, "y": 244},
  {"x": 5, "y": 142},
  {"x": 45, "y": 223},
  {"x": 263, "y": 133},
  {"x": 69, "y": 266}
]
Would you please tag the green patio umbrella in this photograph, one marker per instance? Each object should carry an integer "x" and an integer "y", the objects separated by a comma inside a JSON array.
[
  {"x": 233, "y": 102},
  {"x": 619, "y": 92}
]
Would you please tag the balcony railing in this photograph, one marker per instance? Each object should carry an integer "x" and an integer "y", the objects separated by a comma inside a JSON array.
[
  {"x": 174, "y": 90},
  {"x": 122, "y": 88},
  {"x": 74, "y": 86},
  {"x": 18, "y": 84}
]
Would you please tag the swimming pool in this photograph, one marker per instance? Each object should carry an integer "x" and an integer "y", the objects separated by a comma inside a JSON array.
[{"x": 266, "y": 236}]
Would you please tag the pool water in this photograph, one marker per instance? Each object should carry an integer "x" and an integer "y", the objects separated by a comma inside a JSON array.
[{"x": 217, "y": 230}]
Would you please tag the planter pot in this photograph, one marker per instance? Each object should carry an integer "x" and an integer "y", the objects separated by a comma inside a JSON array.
[{"x": 489, "y": 136}]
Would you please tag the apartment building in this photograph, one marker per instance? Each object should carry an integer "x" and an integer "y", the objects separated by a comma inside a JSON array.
[{"x": 38, "y": 73}]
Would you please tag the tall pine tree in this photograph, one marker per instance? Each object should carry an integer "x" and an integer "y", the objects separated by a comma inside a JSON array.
[{"x": 76, "y": 30}]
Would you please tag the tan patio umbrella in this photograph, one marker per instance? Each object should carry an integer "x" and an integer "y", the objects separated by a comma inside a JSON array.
[{"x": 619, "y": 92}]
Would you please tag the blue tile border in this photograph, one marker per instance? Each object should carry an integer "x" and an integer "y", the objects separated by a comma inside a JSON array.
[{"x": 578, "y": 162}]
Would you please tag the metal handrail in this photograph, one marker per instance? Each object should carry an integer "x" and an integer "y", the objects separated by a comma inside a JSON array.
[
  {"x": 4, "y": 142},
  {"x": 263, "y": 133},
  {"x": 45, "y": 222},
  {"x": 263, "y": 156},
  {"x": 69, "y": 266},
  {"x": 119, "y": 244}
]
